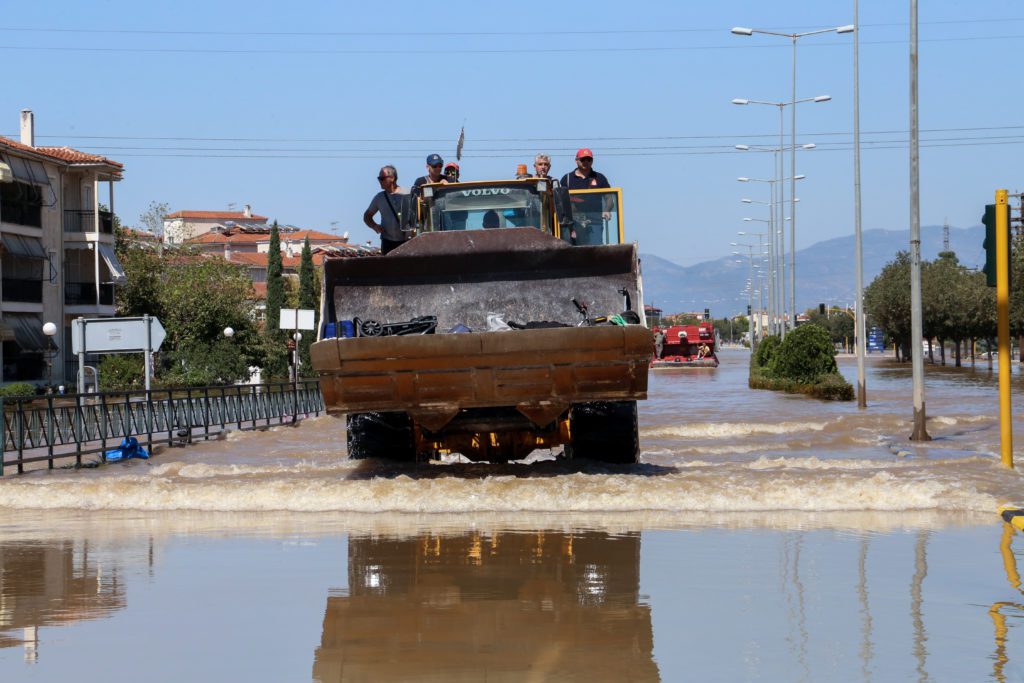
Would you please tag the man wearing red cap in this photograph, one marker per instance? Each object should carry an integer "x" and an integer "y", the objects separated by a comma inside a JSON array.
[{"x": 589, "y": 212}]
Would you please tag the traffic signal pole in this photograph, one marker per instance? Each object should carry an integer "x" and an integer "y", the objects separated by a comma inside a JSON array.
[{"x": 1003, "y": 322}]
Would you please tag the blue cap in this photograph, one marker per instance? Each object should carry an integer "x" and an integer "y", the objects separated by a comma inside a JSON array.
[{"x": 434, "y": 160}]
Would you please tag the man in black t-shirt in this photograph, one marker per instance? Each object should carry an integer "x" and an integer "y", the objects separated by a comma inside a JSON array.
[{"x": 591, "y": 212}]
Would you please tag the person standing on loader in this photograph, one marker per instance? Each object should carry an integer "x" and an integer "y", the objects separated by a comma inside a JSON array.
[
  {"x": 434, "y": 175},
  {"x": 590, "y": 211},
  {"x": 388, "y": 203}
]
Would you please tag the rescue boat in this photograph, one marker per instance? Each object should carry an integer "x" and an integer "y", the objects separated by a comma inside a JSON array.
[{"x": 684, "y": 346}]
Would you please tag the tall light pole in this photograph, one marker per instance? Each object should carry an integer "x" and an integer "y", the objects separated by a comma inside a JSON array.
[
  {"x": 792, "y": 186},
  {"x": 920, "y": 433},
  {"x": 761, "y": 236},
  {"x": 860, "y": 328},
  {"x": 777, "y": 243},
  {"x": 750, "y": 287},
  {"x": 782, "y": 247}
]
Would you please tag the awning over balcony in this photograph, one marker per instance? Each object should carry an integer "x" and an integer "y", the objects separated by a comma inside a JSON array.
[
  {"x": 28, "y": 170},
  {"x": 26, "y": 247},
  {"x": 28, "y": 331},
  {"x": 117, "y": 275},
  {"x": 114, "y": 267}
]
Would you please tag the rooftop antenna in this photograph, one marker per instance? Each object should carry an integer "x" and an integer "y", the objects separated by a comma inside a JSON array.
[
  {"x": 334, "y": 226},
  {"x": 945, "y": 235},
  {"x": 231, "y": 206}
]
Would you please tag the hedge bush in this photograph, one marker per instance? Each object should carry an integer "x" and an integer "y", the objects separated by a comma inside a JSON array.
[
  {"x": 805, "y": 355},
  {"x": 19, "y": 389},
  {"x": 766, "y": 350}
]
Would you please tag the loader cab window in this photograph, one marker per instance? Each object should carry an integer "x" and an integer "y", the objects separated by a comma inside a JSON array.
[
  {"x": 597, "y": 215},
  {"x": 463, "y": 207}
]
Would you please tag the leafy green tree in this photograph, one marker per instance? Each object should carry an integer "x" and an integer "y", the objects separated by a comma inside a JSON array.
[
  {"x": 275, "y": 349},
  {"x": 887, "y": 299},
  {"x": 309, "y": 298},
  {"x": 195, "y": 296},
  {"x": 805, "y": 355}
]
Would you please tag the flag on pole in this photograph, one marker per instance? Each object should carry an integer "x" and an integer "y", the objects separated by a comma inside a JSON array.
[{"x": 458, "y": 147}]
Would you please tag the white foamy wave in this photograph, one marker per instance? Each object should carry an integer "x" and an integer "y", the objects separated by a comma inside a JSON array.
[
  {"x": 769, "y": 484},
  {"x": 703, "y": 430},
  {"x": 960, "y": 419}
]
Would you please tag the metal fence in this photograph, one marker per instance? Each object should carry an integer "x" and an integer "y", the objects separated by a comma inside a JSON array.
[{"x": 71, "y": 427}]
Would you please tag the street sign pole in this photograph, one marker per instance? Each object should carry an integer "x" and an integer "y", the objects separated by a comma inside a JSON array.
[
  {"x": 148, "y": 321},
  {"x": 80, "y": 322}
]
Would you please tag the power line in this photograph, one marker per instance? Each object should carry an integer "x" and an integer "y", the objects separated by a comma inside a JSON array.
[
  {"x": 720, "y": 136},
  {"x": 335, "y": 34},
  {"x": 517, "y": 51}
]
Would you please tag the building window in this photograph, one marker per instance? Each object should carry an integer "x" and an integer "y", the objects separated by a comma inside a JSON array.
[{"x": 21, "y": 203}]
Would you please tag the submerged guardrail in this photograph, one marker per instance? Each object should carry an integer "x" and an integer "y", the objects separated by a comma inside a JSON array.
[{"x": 36, "y": 430}]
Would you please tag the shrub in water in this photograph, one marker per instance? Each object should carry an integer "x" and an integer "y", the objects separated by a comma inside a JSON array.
[
  {"x": 805, "y": 355},
  {"x": 766, "y": 350}
]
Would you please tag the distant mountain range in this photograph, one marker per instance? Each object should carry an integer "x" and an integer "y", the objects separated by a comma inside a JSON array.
[{"x": 824, "y": 271}]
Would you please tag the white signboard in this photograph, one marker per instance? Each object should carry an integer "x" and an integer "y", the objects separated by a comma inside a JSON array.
[
  {"x": 297, "y": 319},
  {"x": 116, "y": 335}
]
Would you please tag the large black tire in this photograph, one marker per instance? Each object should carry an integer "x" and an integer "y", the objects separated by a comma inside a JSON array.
[
  {"x": 605, "y": 431},
  {"x": 380, "y": 435}
]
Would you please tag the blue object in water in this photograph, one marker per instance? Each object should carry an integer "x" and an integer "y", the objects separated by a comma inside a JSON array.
[
  {"x": 347, "y": 328},
  {"x": 129, "y": 448}
]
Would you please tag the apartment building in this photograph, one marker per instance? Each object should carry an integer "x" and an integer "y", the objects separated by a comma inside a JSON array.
[
  {"x": 183, "y": 226},
  {"x": 57, "y": 258}
]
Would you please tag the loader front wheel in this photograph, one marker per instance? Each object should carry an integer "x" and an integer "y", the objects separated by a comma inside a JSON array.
[
  {"x": 605, "y": 431},
  {"x": 380, "y": 435}
]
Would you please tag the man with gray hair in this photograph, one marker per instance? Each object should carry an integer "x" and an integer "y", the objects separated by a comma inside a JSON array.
[
  {"x": 389, "y": 203},
  {"x": 542, "y": 166}
]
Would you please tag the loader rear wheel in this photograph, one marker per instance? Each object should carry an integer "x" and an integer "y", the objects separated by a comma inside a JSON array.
[
  {"x": 605, "y": 431},
  {"x": 380, "y": 435}
]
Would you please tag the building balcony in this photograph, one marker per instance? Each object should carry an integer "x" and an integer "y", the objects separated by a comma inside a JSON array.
[
  {"x": 84, "y": 294},
  {"x": 79, "y": 220},
  {"x": 26, "y": 291}
]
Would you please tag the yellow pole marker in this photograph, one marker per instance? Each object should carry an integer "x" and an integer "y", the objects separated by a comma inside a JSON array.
[
  {"x": 1003, "y": 322},
  {"x": 1014, "y": 516}
]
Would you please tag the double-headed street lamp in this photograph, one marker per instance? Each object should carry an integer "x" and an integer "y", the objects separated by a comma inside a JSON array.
[
  {"x": 781, "y": 248},
  {"x": 750, "y": 287},
  {"x": 777, "y": 242},
  {"x": 792, "y": 193},
  {"x": 768, "y": 277}
]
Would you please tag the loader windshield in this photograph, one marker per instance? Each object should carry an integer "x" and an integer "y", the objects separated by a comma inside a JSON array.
[{"x": 478, "y": 207}]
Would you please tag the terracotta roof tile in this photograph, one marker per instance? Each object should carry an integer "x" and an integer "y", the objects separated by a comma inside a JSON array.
[
  {"x": 64, "y": 154},
  {"x": 216, "y": 215}
]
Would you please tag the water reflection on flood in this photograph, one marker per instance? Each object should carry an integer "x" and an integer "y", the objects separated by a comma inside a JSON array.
[
  {"x": 52, "y": 584},
  {"x": 495, "y": 606}
]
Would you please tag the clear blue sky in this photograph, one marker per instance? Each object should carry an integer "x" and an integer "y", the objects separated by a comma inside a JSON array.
[{"x": 318, "y": 95}]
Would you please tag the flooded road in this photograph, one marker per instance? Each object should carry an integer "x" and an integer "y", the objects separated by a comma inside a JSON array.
[{"x": 763, "y": 537}]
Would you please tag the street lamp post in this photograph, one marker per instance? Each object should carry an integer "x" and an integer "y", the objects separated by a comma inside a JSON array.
[
  {"x": 860, "y": 329},
  {"x": 49, "y": 329},
  {"x": 792, "y": 184},
  {"x": 781, "y": 251},
  {"x": 769, "y": 276},
  {"x": 777, "y": 243},
  {"x": 750, "y": 288}
]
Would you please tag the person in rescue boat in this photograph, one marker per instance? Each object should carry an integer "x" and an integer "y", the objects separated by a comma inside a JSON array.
[
  {"x": 434, "y": 174},
  {"x": 590, "y": 212},
  {"x": 388, "y": 203}
]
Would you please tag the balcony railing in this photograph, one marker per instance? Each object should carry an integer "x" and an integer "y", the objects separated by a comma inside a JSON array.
[
  {"x": 26, "y": 291},
  {"x": 78, "y": 220},
  {"x": 84, "y": 294}
]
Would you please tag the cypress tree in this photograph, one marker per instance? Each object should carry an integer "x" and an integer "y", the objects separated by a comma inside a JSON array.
[
  {"x": 276, "y": 337},
  {"x": 309, "y": 297}
]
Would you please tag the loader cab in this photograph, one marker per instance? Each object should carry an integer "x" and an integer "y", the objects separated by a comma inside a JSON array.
[
  {"x": 488, "y": 205},
  {"x": 580, "y": 217}
]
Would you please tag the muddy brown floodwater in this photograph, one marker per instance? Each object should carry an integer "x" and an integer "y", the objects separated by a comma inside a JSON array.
[{"x": 763, "y": 537}]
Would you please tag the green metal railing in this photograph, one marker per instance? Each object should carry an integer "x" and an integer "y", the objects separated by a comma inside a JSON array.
[{"x": 71, "y": 427}]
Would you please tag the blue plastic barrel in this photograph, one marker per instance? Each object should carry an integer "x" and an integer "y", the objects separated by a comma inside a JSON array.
[
  {"x": 347, "y": 328},
  {"x": 330, "y": 331}
]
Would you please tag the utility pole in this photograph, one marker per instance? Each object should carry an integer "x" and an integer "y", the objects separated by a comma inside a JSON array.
[{"x": 920, "y": 433}]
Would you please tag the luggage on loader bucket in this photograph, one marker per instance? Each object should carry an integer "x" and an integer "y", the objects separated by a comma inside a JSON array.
[{"x": 493, "y": 393}]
